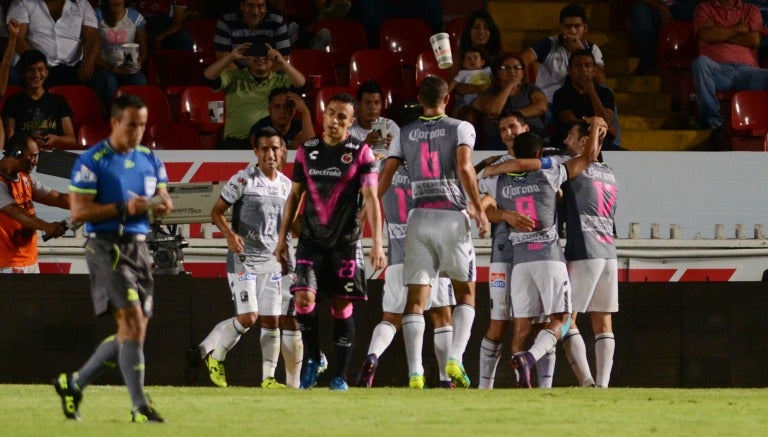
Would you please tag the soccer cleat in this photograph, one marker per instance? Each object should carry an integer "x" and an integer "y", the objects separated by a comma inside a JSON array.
[
  {"x": 145, "y": 413},
  {"x": 447, "y": 384},
  {"x": 458, "y": 375},
  {"x": 70, "y": 398},
  {"x": 193, "y": 361},
  {"x": 365, "y": 379},
  {"x": 271, "y": 382},
  {"x": 217, "y": 371},
  {"x": 323, "y": 363},
  {"x": 523, "y": 362},
  {"x": 311, "y": 371},
  {"x": 338, "y": 384},
  {"x": 416, "y": 381}
]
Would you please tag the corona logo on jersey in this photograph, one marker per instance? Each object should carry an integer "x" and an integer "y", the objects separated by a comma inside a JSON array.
[{"x": 498, "y": 279}]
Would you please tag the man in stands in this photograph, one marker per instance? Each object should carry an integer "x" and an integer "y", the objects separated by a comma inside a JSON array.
[
  {"x": 165, "y": 19},
  {"x": 243, "y": 26},
  {"x": 283, "y": 104}
]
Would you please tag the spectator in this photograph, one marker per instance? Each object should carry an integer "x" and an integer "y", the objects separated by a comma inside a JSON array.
[
  {"x": 511, "y": 92},
  {"x": 481, "y": 32},
  {"x": 5, "y": 65},
  {"x": 165, "y": 19},
  {"x": 44, "y": 116},
  {"x": 552, "y": 53},
  {"x": 119, "y": 25},
  {"x": 647, "y": 17},
  {"x": 243, "y": 26},
  {"x": 729, "y": 33},
  {"x": 473, "y": 78},
  {"x": 283, "y": 105},
  {"x": 247, "y": 90},
  {"x": 70, "y": 43},
  {"x": 18, "y": 223},
  {"x": 370, "y": 127},
  {"x": 583, "y": 96}
]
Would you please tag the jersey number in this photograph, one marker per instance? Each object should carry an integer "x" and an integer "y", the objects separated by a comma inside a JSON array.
[
  {"x": 347, "y": 269},
  {"x": 430, "y": 162},
  {"x": 606, "y": 197},
  {"x": 526, "y": 206},
  {"x": 402, "y": 195}
]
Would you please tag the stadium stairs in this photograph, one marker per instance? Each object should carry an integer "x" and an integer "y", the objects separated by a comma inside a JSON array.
[{"x": 646, "y": 117}]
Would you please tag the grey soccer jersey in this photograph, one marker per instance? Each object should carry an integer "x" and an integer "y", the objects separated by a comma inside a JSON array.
[
  {"x": 590, "y": 207},
  {"x": 535, "y": 195},
  {"x": 257, "y": 211},
  {"x": 429, "y": 147},
  {"x": 396, "y": 203}
]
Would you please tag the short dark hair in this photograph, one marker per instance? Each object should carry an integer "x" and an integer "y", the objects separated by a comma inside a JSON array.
[
  {"x": 266, "y": 132},
  {"x": 369, "y": 87},
  {"x": 126, "y": 101},
  {"x": 573, "y": 11},
  {"x": 343, "y": 98},
  {"x": 479, "y": 50},
  {"x": 432, "y": 90},
  {"x": 28, "y": 59},
  {"x": 527, "y": 145},
  {"x": 516, "y": 114},
  {"x": 17, "y": 144},
  {"x": 582, "y": 125},
  {"x": 581, "y": 52},
  {"x": 278, "y": 91}
]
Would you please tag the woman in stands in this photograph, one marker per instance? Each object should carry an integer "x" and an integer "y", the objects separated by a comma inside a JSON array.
[{"x": 481, "y": 32}]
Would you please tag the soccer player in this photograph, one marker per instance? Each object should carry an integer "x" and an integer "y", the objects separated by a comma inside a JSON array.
[
  {"x": 540, "y": 277},
  {"x": 257, "y": 196},
  {"x": 337, "y": 172},
  {"x": 114, "y": 185},
  {"x": 590, "y": 207},
  {"x": 438, "y": 150}
]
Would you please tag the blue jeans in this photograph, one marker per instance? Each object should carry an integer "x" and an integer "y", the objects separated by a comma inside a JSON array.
[
  {"x": 106, "y": 84},
  {"x": 710, "y": 77}
]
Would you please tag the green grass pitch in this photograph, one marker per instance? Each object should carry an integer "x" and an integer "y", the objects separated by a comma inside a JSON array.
[{"x": 34, "y": 410}]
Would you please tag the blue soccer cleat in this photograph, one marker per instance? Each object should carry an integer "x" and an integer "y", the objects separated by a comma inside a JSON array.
[
  {"x": 338, "y": 384},
  {"x": 311, "y": 371}
]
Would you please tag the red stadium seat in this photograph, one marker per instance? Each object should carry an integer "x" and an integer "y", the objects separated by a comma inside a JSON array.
[
  {"x": 395, "y": 100},
  {"x": 321, "y": 101},
  {"x": 677, "y": 48},
  {"x": 194, "y": 109},
  {"x": 203, "y": 31},
  {"x": 315, "y": 62},
  {"x": 91, "y": 133},
  {"x": 405, "y": 37},
  {"x": 347, "y": 37},
  {"x": 9, "y": 91},
  {"x": 749, "y": 120},
  {"x": 377, "y": 64},
  {"x": 455, "y": 28},
  {"x": 84, "y": 102},
  {"x": 177, "y": 69},
  {"x": 426, "y": 65},
  {"x": 154, "y": 97},
  {"x": 174, "y": 136}
]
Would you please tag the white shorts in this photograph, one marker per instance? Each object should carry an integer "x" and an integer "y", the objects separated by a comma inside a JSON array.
[
  {"x": 595, "y": 284},
  {"x": 256, "y": 292},
  {"x": 396, "y": 293},
  {"x": 498, "y": 284},
  {"x": 31, "y": 269},
  {"x": 540, "y": 288},
  {"x": 438, "y": 240}
]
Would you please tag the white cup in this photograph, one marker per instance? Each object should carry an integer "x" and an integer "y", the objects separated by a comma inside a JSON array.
[
  {"x": 441, "y": 47},
  {"x": 131, "y": 55},
  {"x": 216, "y": 111}
]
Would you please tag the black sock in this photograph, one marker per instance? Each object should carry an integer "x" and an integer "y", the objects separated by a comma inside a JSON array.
[
  {"x": 309, "y": 335},
  {"x": 343, "y": 337}
]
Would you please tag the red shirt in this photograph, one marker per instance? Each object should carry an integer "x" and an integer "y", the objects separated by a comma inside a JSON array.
[
  {"x": 18, "y": 245},
  {"x": 711, "y": 10}
]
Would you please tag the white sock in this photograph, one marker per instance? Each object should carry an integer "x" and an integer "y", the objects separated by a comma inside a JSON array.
[
  {"x": 463, "y": 316},
  {"x": 413, "y": 336},
  {"x": 604, "y": 347},
  {"x": 443, "y": 337},
  {"x": 214, "y": 337},
  {"x": 490, "y": 354},
  {"x": 545, "y": 341},
  {"x": 576, "y": 352},
  {"x": 229, "y": 336},
  {"x": 270, "y": 351},
  {"x": 545, "y": 368},
  {"x": 293, "y": 353},
  {"x": 381, "y": 338}
]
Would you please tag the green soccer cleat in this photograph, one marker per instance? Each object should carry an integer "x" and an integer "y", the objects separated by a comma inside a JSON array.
[
  {"x": 416, "y": 381},
  {"x": 271, "y": 383},
  {"x": 458, "y": 375},
  {"x": 70, "y": 397},
  {"x": 144, "y": 414},
  {"x": 217, "y": 371}
]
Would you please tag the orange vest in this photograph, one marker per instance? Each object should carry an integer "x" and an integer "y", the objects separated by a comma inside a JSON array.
[{"x": 18, "y": 245}]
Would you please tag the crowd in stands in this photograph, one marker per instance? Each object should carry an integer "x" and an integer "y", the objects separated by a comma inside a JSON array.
[{"x": 243, "y": 49}]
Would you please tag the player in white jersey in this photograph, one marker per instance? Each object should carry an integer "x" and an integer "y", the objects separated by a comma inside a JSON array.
[
  {"x": 590, "y": 206},
  {"x": 438, "y": 150},
  {"x": 257, "y": 196}
]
